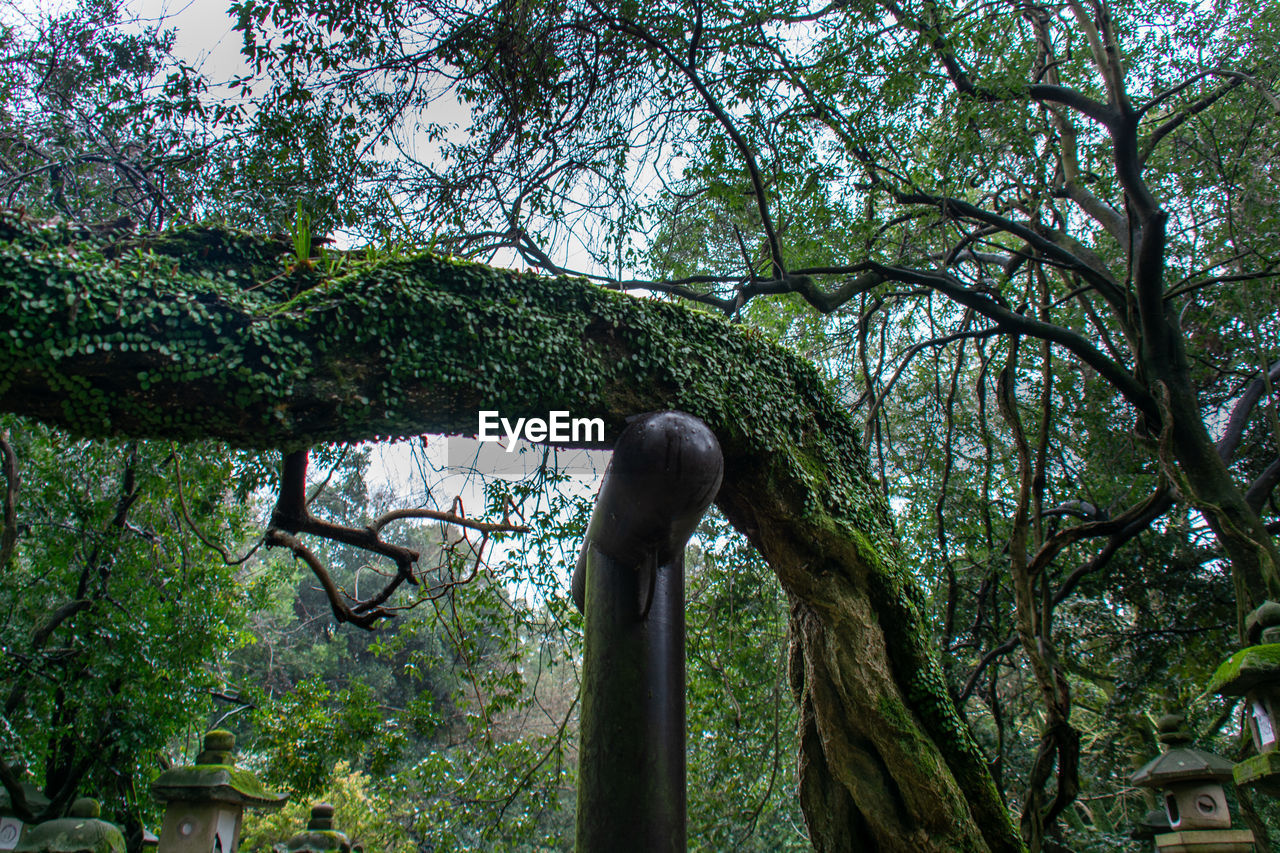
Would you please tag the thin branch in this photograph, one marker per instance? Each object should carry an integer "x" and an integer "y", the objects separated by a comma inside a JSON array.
[
  {"x": 1150, "y": 508},
  {"x": 207, "y": 541},
  {"x": 341, "y": 611},
  {"x": 990, "y": 657},
  {"x": 1136, "y": 524},
  {"x": 1073, "y": 342},
  {"x": 1176, "y": 120},
  {"x": 690, "y": 73},
  {"x": 1046, "y": 245},
  {"x": 1262, "y": 487}
]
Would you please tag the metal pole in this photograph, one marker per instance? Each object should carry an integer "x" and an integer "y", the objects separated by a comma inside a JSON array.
[{"x": 629, "y": 581}]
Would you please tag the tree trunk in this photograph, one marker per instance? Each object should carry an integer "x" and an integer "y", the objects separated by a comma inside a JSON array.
[
  {"x": 1192, "y": 460},
  {"x": 200, "y": 335}
]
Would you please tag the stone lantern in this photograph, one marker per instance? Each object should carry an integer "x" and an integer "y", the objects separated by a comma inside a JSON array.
[
  {"x": 11, "y": 825},
  {"x": 81, "y": 831},
  {"x": 205, "y": 803},
  {"x": 1254, "y": 673},
  {"x": 320, "y": 836},
  {"x": 1195, "y": 802}
]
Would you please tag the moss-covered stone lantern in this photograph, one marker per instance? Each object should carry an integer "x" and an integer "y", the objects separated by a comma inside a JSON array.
[
  {"x": 81, "y": 831},
  {"x": 1195, "y": 802},
  {"x": 319, "y": 836},
  {"x": 12, "y": 826},
  {"x": 1254, "y": 673},
  {"x": 205, "y": 803}
]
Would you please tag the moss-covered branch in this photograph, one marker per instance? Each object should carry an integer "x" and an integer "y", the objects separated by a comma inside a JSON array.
[{"x": 208, "y": 333}]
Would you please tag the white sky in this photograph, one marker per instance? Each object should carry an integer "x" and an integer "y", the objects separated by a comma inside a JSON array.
[{"x": 204, "y": 38}]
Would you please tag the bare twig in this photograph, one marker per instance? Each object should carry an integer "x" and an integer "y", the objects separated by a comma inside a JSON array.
[{"x": 292, "y": 517}]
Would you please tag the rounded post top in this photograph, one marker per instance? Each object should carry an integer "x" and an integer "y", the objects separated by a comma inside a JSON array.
[
  {"x": 1171, "y": 730},
  {"x": 666, "y": 470},
  {"x": 220, "y": 740},
  {"x": 1261, "y": 624},
  {"x": 320, "y": 836},
  {"x": 86, "y": 807}
]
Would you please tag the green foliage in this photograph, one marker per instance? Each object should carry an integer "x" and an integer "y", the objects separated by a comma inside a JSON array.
[
  {"x": 116, "y": 616},
  {"x": 364, "y": 812},
  {"x": 853, "y": 128},
  {"x": 305, "y": 731},
  {"x": 96, "y": 122},
  {"x": 742, "y": 719}
]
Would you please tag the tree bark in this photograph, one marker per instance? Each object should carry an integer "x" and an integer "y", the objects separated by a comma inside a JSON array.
[
  {"x": 201, "y": 334},
  {"x": 1192, "y": 460}
]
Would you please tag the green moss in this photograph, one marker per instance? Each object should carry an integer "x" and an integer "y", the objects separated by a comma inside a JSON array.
[
  {"x": 72, "y": 835},
  {"x": 319, "y": 841},
  {"x": 1246, "y": 669},
  {"x": 1260, "y": 772},
  {"x": 221, "y": 782}
]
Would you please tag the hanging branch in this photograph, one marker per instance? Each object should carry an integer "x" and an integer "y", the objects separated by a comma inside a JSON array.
[{"x": 291, "y": 517}]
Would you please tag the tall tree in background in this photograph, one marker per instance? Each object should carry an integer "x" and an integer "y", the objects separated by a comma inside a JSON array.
[
  {"x": 100, "y": 122},
  {"x": 114, "y": 615}
]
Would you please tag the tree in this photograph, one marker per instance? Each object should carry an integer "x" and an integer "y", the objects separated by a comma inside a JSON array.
[
  {"x": 1031, "y": 189},
  {"x": 96, "y": 124},
  {"x": 399, "y": 346},
  {"x": 115, "y": 617},
  {"x": 457, "y": 714},
  {"x": 1074, "y": 175}
]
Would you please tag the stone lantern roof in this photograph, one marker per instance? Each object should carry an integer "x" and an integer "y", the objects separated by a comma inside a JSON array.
[
  {"x": 215, "y": 778},
  {"x": 82, "y": 831},
  {"x": 36, "y": 801},
  {"x": 1257, "y": 665},
  {"x": 320, "y": 836},
  {"x": 1248, "y": 669},
  {"x": 1180, "y": 763}
]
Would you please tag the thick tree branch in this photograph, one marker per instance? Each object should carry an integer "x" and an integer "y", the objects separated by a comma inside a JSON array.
[
  {"x": 1262, "y": 486},
  {"x": 1012, "y": 321},
  {"x": 1233, "y": 432},
  {"x": 1089, "y": 269},
  {"x": 1144, "y": 512},
  {"x": 12, "y": 481}
]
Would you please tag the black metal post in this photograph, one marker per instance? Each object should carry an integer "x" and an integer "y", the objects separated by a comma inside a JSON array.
[{"x": 629, "y": 581}]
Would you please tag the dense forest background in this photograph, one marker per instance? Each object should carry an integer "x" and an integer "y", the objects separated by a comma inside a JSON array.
[{"x": 952, "y": 210}]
